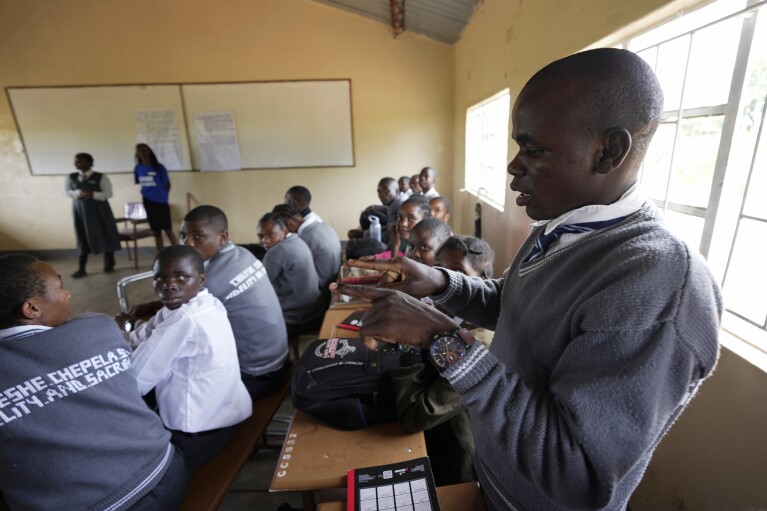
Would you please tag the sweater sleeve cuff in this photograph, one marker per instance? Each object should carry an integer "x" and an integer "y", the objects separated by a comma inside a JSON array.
[
  {"x": 454, "y": 285},
  {"x": 471, "y": 370}
]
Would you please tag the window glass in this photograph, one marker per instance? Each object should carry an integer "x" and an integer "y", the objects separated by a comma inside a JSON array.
[
  {"x": 712, "y": 58},
  {"x": 747, "y": 274},
  {"x": 693, "y": 167},
  {"x": 670, "y": 70},
  {"x": 687, "y": 227},
  {"x": 487, "y": 136},
  {"x": 657, "y": 162}
]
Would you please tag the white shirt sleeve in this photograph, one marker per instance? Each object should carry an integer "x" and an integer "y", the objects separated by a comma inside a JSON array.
[
  {"x": 160, "y": 344},
  {"x": 106, "y": 189}
]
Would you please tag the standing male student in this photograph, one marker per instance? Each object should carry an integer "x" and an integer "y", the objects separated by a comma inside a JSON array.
[
  {"x": 74, "y": 431},
  {"x": 605, "y": 323}
]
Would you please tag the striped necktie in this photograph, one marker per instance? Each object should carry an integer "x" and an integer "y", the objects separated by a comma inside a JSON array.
[{"x": 544, "y": 241}]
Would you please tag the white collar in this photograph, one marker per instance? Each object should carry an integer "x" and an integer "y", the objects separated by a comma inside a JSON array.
[
  {"x": 630, "y": 202},
  {"x": 22, "y": 329}
]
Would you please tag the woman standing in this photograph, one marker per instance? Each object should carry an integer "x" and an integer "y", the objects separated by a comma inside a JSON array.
[
  {"x": 95, "y": 226},
  {"x": 155, "y": 185}
]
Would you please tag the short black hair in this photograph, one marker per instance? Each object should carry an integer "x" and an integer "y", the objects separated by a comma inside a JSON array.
[
  {"x": 616, "y": 89},
  {"x": 437, "y": 227},
  {"x": 301, "y": 194},
  {"x": 286, "y": 211},
  {"x": 444, "y": 200},
  {"x": 405, "y": 179},
  {"x": 387, "y": 181},
  {"x": 84, "y": 156},
  {"x": 18, "y": 283},
  {"x": 276, "y": 218},
  {"x": 210, "y": 214},
  {"x": 181, "y": 252},
  {"x": 476, "y": 250},
  {"x": 421, "y": 201}
]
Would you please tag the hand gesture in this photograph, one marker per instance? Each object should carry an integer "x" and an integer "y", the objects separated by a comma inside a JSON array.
[{"x": 404, "y": 275}]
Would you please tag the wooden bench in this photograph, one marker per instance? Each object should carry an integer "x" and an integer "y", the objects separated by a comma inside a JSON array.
[{"x": 211, "y": 481}]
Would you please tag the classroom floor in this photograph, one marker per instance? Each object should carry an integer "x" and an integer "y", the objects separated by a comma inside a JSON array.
[{"x": 98, "y": 293}]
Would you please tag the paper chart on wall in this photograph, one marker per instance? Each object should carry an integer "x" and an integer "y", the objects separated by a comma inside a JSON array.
[
  {"x": 215, "y": 134},
  {"x": 158, "y": 129}
]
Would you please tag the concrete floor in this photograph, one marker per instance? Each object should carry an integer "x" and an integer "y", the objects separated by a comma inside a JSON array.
[{"x": 97, "y": 293}]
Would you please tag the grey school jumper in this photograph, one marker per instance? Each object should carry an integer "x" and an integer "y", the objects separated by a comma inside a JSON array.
[
  {"x": 598, "y": 347},
  {"x": 291, "y": 271},
  {"x": 239, "y": 280},
  {"x": 74, "y": 431},
  {"x": 325, "y": 246}
]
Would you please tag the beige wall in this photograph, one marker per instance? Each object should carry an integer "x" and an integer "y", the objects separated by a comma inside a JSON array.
[
  {"x": 402, "y": 98},
  {"x": 714, "y": 456}
]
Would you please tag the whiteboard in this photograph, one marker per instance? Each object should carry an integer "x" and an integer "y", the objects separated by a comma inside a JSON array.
[
  {"x": 55, "y": 123},
  {"x": 278, "y": 124},
  {"x": 281, "y": 124}
]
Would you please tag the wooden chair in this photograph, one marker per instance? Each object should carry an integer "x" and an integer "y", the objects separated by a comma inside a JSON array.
[{"x": 132, "y": 229}]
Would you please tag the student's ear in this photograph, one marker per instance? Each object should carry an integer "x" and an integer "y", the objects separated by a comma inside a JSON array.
[
  {"x": 30, "y": 310},
  {"x": 223, "y": 237},
  {"x": 202, "y": 279},
  {"x": 616, "y": 144}
]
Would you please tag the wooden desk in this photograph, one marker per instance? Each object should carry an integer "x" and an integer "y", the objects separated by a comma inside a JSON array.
[
  {"x": 330, "y": 324},
  {"x": 458, "y": 497},
  {"x": 316, "y": 457}
]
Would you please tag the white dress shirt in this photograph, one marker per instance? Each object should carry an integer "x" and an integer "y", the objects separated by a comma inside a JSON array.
[
  {"x": 104, "y": 194},
  {"x": 189, "y": 357},
  {"x": 431, "y": 194},
  {"x": 630, "y": 202}
]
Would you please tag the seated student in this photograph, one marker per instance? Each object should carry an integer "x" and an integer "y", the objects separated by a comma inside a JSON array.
[
  {"x": 323, "y": 242},
  {"x": 299, "y": 198},
  {"x": 426, "y": 180},
  {"x": 415, "y": 187},
  {"x": 412, "y": 211},
  {"x": 187, "y": 354},
  {"x": 425, "y": 401},
  {"x": 74, "y": 431},
  {"x": 441, "y": 207},
  {"x": 426, "y": 238},
  {"x": 239, "y": 281},
  {"x": 391, "y": 199},
  {"x": 404, "y": 185},
  {"x": 290, "y": 268}
]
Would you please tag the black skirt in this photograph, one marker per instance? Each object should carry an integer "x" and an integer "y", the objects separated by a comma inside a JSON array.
[{"x": 158, "y": 215}]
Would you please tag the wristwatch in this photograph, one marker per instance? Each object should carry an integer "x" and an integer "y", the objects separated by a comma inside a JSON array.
[{"x": 448, "y": 348}]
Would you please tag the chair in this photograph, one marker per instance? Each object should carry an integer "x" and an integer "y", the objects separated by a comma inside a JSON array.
[{"x": 135, "y": 215}]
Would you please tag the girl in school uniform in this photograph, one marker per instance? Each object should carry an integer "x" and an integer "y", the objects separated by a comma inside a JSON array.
[
  {"x": 410, "y": 212},
  {"x": 155, "y": 185},
  {"x": 290, "y": 268}
]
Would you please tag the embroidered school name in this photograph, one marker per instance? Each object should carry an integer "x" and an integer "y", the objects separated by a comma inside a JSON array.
[
  {"x": 246, "y": 278},
  {"x": 40, "y": 391}
]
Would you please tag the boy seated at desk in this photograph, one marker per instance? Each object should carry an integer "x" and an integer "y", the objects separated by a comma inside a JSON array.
[
  {"x": 187, "y": 354},
  {"x": 74, "y": 431}
]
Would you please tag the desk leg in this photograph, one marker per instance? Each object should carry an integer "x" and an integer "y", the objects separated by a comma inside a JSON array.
[{"x": 308, "y": 501}]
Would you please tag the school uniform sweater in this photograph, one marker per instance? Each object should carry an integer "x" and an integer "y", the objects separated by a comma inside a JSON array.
[
  {"x": 325, "y": 246},
  {"x": 291, "y": 271},
  {"x": 74, "y": 431},
  {"x": 239, "y": 281},
  {"x": 598, "y": 348}
]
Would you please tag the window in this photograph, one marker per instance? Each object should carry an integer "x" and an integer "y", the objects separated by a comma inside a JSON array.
[
  {"x": 487, "y": 134},
  {"x": 707, "y": 165}
]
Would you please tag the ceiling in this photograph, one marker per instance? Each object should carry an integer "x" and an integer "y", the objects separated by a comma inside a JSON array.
[{"x": 442, "y": 20}]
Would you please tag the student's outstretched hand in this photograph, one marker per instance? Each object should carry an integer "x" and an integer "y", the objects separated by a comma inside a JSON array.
[
  {"x": 397, "y": 317},
  {"x": 404, "y": 275}
]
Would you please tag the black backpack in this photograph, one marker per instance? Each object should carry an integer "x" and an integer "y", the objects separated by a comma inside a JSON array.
[{"x": 346, "y": 385}]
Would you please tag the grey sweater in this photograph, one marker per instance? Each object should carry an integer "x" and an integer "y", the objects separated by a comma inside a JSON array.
[
  {"x": 291, "y": 271},
  {"x": 325, "y": 246},
  {"x": 239, "y": 280},
  {"x": 598, "y": 348},
  {"x": 74, "y": 431}
]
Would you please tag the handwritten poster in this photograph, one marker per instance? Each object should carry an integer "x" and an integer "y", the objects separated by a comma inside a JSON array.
[
  {"x": 158, "y": 129},
  {"x": 215, "y": 134}
]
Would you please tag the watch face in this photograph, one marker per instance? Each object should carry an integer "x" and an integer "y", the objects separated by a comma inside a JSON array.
[{"x": 446, "y": 351}]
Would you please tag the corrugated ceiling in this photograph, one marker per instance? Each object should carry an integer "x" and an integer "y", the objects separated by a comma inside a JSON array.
[{"x": 442, "y": 20}]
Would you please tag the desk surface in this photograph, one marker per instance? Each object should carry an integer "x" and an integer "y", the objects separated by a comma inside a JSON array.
[
  {"x": 458, "y": 497},
  {"x": 316, "y": 457},
  {"x": 330, "y": 324}
]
